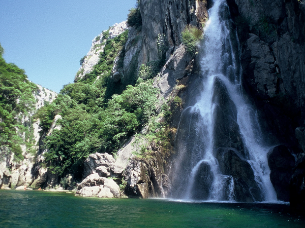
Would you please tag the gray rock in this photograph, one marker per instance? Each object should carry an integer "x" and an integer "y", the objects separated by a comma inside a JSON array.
[
  {"x": 113, "y": 186},
  {"x": 91, "y": 191},
  {"x": 92, "y": 57},
  {"x": 272, "y": 39},
  {"x": 143, "y": 189},
  {"x": 232, "y": 163},
  {"x": 123, "y": 155},
  {"x": 23, "y": 188},
  {"x": 281, "y": 163},
  {"x": 175, "y": 68},
  {"x": 263, "y": 63},
  {"x": 96, "y": 186},
  {"x": 105, "y": 193},
  {"x": 203, "y": 182},
  {"x": 103, "y": 160},
  {"x": 116, "y": 77},
  {"x": 226, "y": 130},
  {"x": 297, "y": 188},
  {"x": 102, "y": 171},
  {"x": 132, "y": 175},
  {"x": 300, "y": 135}
]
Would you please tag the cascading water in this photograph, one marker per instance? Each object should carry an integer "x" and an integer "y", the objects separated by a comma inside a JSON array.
[{"x": 221, "y": 154}]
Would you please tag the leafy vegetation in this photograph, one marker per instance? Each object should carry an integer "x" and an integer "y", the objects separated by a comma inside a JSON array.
[
  {"x": 104, "y": 67},
  {"x": 89, "y": 125},
  {"x": 191, "y": 37},
  {"x": 82, "y": 60},
  {"x": 157, "y": 142},
  {"x": 134, "y": 17},
  {"x": 97, "y": 114},
  {"x": 150, "y": 69},
  {"x": 16, "y": 97}
]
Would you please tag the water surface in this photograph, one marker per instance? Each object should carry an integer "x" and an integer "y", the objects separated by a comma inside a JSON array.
[{"x": 45, "y": 209}]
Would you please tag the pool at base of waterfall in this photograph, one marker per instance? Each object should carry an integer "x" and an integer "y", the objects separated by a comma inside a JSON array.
[{"x": 46, "y": 209}]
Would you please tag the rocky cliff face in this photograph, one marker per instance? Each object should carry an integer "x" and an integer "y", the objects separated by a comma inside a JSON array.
[
  {"x": 272, "y": 58},
  {"x": 272, "y": 41},
  {"x": 157, "y": 41},
  {"x": 20, "y": 173},
  {"x": 272, "y": 35},
  {"x": 97, "y": 46}
]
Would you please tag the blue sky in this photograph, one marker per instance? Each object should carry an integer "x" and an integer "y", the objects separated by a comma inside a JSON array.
[{"x": 47, "y": 38}]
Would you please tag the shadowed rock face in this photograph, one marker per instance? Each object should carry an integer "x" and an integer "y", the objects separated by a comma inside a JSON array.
[
  {"x": 232, "y": 163},
  {"x": 227, "y": 132},
  {"x": 272, "y": 37},
  {"x": 281, "y": 164},
  {"x": 297, "y": 188},
  {"x": 203, "y": 182}
]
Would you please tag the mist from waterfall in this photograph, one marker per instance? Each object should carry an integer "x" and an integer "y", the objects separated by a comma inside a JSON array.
[{"x": 221, "y": 151}]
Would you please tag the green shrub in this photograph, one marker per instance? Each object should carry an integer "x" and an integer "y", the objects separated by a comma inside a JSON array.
[
  {"x": 88, "y": 127},
  {"x": 104, "y": 67},
  {"x": 81, "y": 61},
  {"x": 46, "y": 115},
  {"x": 134, "y": 17},
  {"x": 1, "y": 50},
  {"x": 97, "y": 38},
  {"x": 149, "y": 70},
  {"x": 105, "y": 34},
  {"x": 145, "y": 71},
  {"x": 190, "y": 38}
]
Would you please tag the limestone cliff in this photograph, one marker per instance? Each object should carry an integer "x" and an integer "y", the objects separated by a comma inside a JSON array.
[
  {"x": 271, "y": 39},
  {"x": 20, "y": 173},
  {"x": 273, "y": 63},
  {"x": 271, "y": 42},
  {"x": 156, "y": 46},
  {"x": 97, "y": 46}
]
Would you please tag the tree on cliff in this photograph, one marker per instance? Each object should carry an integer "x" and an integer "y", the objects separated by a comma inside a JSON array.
[{"x": 16, "y": 97}]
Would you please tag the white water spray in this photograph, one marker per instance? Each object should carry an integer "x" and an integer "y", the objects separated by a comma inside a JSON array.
[{"x": 219, "y": 63}]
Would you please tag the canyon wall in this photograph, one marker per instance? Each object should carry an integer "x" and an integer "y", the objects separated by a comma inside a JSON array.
[
  {"x": 272, "y": 59},
  {"x": 272, "y": 56},
  {"x": 15, "y": 173},
  {"x": 272, "y": 38}
]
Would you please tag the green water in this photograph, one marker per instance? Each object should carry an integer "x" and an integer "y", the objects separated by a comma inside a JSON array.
[{"x": 42, "y": 209}]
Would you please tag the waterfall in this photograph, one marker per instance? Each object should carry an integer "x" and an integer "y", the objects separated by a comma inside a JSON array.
[{"x": 221, "y": 150}]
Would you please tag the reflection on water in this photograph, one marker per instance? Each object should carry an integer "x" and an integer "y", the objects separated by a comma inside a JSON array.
[{"x": 42, "y": 209}]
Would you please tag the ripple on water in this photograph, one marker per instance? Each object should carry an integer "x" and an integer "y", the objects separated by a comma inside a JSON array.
[{"x": 43, "y": 209}]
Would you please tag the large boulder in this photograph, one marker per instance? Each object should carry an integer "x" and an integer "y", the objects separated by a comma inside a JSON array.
[
  {"x": 99, "y": 163},
  {"x": 232, "y": 163},
  {"x": 97, "y": 186},
  {"x": 281, "y": 163},
  {"x": 145, "y": 177},
  {"x": 202, "y": 182}
]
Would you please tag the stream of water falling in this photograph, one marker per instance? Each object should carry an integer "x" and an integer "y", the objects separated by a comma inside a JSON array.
[{"x": 199, "y": 142}]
